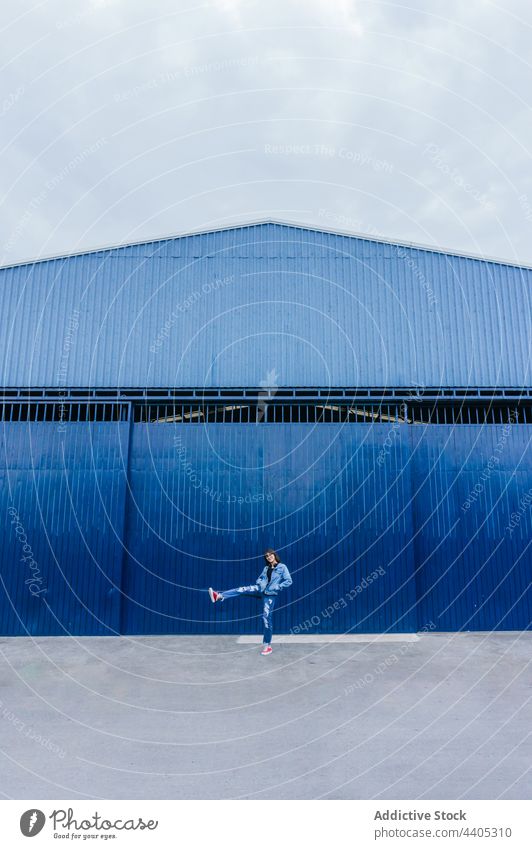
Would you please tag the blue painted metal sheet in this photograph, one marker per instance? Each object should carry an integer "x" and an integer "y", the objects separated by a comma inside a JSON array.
[
  {"x": 230, "y": 308},
  {"x": 342, "y": 503},
  {"x": 472, "y": 505},
  {"x": 62, "y": 502},
  {"x": 208, "y": 500}
]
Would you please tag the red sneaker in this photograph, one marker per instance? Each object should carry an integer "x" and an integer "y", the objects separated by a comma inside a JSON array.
[
  {"x": 214, "y": 595},
  {"x": 266, "y": 650}
]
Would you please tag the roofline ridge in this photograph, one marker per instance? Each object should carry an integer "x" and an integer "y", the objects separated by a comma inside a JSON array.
[{"x": 279, "y": 222}]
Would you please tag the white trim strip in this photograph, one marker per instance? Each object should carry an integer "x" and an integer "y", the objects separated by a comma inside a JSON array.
[
  {"x": 247, "y": 639},
  {"x": 254, "y": 223}
]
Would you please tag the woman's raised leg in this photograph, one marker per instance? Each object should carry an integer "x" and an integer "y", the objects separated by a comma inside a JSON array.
[{"x": 252, "y": 590}]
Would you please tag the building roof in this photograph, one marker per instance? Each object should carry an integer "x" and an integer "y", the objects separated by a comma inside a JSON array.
[
  {"x": 240, "y": 305},
  {"x": 371, "y": 237}
]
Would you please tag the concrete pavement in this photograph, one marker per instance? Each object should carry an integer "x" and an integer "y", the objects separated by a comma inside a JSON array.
[{"x": 441, "y": 717}]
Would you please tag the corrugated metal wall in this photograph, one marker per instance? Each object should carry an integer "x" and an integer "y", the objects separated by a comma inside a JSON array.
[
  {"x": 340, "y": 501},
  {"x": 473, "y": 518},
  {"x": 238, "y": 306},
  {"x": 62, "y": 498},
  {"x": 208, "y": 500}
]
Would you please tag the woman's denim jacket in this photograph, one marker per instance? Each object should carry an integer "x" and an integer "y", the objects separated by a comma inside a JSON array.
[{"x": 279, "y": 580}]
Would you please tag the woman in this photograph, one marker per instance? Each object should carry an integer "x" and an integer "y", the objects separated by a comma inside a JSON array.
[{"x": 273, "y": 578}]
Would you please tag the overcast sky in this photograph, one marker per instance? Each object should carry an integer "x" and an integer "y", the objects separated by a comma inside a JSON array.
[{"x": 125, "y": 120}]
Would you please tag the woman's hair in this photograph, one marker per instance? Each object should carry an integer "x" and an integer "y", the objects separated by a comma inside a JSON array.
[{"x": 271, "y": 551}]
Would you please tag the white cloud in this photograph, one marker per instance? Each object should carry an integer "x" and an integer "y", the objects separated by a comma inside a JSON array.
[{"x": 187, "y": 98}]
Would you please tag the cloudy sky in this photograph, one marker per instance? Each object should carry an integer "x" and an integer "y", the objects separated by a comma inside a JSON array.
[{"x": 125, "y": 120}]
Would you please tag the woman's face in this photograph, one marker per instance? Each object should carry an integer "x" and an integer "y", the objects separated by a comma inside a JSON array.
[{"x": 271, "y": 559}]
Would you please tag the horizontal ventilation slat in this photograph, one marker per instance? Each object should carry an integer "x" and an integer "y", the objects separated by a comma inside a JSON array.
[{"x": 264, "y": 411}]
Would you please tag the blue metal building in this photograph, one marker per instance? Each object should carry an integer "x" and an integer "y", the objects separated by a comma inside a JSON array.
[{"x": 169, "y": 408}]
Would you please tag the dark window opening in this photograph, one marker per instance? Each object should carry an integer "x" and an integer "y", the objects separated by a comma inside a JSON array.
[
  {"x": 63, "y": 412},
  {"x": 273, "y": 410}
]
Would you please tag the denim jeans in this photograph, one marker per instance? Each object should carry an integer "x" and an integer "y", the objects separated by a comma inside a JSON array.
[{"x": 268, "y": 603}]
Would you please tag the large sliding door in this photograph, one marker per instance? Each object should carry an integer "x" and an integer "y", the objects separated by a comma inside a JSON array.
[
  {"x": 120, "y": 527},
  {"x": 62, "y": 492},
  {"x": 206, "y": 500}
]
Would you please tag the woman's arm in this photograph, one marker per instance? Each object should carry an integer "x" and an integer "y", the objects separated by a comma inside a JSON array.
[
  {"x": 262, "y": 575},
  {"x": 287, "y": 579}
]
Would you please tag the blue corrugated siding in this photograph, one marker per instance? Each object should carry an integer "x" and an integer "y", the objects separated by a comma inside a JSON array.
[
  {"x": 208, "y": 500},
  {"x": 474, "y": 563},
  {"x": 68, "y": 490},
  {"x": 232, "y": 307},
  {"x": 339, "y": 501}
]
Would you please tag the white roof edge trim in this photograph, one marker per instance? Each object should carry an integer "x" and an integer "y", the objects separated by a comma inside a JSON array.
[{"x": 283, "y": 223}]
